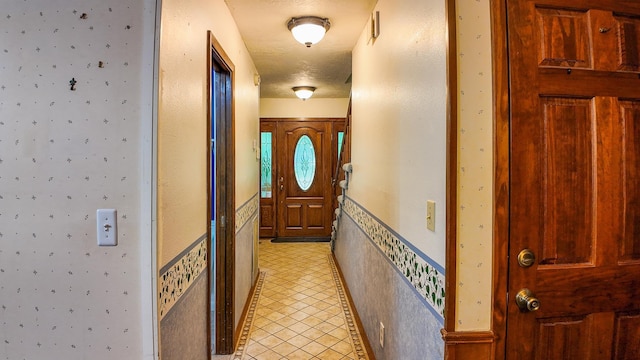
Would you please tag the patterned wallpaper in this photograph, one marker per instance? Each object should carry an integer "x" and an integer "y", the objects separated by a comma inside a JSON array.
[
  {"x": 70, "y": 143},
  {"x": 475, "y": 175},
  {"x": 425, "y": 276}
]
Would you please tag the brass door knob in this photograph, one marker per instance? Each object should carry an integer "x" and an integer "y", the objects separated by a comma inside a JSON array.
[
  {"x": 526, "y": 258},
  {"x": 526, "y": 301}
]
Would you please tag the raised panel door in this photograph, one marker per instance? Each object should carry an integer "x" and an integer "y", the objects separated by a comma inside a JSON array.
[
  {"x": 304, "y": 179},
  {"x": 574, "y": 200}
]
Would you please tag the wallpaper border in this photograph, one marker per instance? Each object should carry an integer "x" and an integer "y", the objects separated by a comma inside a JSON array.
[
  {"x": 177, "y": 276},
  {"x": 245, "y": 212},
  {"x": 423, "y": 274}
]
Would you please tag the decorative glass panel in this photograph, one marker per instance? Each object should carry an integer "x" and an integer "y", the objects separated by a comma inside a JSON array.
[
  {"x": 340, "y": 138},
  {"x": 266, "y": 165},
  {"x": 304, "y": 162}
]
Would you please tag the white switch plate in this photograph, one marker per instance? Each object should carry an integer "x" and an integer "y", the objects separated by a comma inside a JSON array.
[
  {"x": 107, "y": 227},
  {"x": 431, "y": 215}
]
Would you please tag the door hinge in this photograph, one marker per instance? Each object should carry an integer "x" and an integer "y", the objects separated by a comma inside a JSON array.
[{"x": 222, "y": 221}]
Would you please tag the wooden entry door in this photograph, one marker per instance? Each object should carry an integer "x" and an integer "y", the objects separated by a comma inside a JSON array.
[
  {"x": 304, "y": 179},
  {"x": 574, "y": 179},
  {"x": 290, "y": 204}
]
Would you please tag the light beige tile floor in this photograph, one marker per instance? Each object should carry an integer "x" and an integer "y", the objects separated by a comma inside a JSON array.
[{"x": 300, "y": 310}]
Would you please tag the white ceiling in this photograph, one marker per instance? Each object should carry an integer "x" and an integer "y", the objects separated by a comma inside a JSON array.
[{"x": 283, "y": 62}]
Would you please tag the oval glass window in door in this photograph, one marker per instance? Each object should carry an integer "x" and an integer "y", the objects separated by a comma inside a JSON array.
[{"x": 304, "y": 162}]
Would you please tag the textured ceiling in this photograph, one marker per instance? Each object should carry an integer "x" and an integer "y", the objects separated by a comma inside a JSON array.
[{"x": 283, "y": 62}]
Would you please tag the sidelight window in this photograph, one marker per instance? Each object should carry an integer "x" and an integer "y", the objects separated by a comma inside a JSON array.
[
  {"x": 266, "y": 165},
  {"x": 340, "y": 140}
]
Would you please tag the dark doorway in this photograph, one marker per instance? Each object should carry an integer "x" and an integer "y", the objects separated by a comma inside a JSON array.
[{"x": 221, "y": 201}]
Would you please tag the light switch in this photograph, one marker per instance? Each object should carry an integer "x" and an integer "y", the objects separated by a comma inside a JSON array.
[
  {"x": 107, "y": 227},
  {"x": 431, "y": 215}
]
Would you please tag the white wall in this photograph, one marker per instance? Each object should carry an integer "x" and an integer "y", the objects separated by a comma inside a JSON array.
[
  {"x": 399, "y": 125},
  {"x": 182, "y": 145},
  {"x": 64, "y": 154},
  {"x": 399, "y": 121},
  {"x": 399, "y": 118},
  {"x": 314, "y": 107}
]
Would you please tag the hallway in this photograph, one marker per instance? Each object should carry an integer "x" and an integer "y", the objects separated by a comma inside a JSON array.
[
  {"x": 107, "y": 105},
  {"x": 299, "y": 309}
]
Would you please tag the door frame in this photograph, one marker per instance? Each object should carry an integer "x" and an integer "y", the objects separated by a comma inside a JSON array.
[
  {"x": 225, "y": 203},
  {"x": 479, "y": 344},
  {"x": 266, "y": 232},
  {"x": 501, "y": 155},
  {"x": 501, "y": 177}
]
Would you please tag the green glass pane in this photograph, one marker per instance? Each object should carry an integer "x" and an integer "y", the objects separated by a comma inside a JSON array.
[
  {"x": 304, "y": 162},
  {"x": 340, "y": 138},
  {"x": 266, "y": 165}
]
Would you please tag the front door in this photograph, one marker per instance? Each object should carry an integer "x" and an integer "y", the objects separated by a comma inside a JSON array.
[
  {"x": 304, "y": 179},
  {"x": 574, "y": 254},
  {"x": 299, "y": 158}
]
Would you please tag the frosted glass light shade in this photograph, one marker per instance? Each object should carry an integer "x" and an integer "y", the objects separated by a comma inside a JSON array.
[
  {"x": 303, "y": 92},
  {"x": 308, "y": 30},
  {"x": 308, "y": 34}
]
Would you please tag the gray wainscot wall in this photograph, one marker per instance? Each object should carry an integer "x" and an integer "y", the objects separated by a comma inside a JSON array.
[
  {"x": 393, "y": 283},
  {"x": 183, "y": 304},
  {"x": 246, "y": 272}
]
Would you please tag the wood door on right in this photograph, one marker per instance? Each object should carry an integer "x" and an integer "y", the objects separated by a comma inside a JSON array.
[{"x": 574, "y": 179}]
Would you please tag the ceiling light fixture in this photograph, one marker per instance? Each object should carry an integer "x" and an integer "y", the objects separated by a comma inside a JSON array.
[
  {"x": 308, "y": 30},
  {"x": 303, "y": 92}
]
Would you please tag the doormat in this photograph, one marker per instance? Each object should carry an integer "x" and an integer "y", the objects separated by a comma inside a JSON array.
[{"x": 301, "y": 239}]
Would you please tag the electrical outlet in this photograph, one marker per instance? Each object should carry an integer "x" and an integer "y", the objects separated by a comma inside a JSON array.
[{"x": 381, "y": 334}]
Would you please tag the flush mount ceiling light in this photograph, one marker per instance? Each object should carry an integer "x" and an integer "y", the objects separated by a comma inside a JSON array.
[
  {"x": 303, "y": 92},
  {"x": 308, "y": 30}
]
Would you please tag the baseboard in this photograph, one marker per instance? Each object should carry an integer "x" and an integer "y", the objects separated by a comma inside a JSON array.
[
  {"x": 245, "y": 311},
  {"x": 356, "y": 317},
  {"x": 461, "y": 345}
]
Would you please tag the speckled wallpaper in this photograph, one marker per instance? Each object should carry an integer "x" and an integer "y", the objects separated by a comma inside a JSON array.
[
  {"x": 75, "y": 96},
  {"x": 475, "y": 167}
]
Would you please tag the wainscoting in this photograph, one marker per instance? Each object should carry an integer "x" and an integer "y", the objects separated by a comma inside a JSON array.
[
  {"x": 386, "y": 288},
  {"x": 183, "y": 331}
]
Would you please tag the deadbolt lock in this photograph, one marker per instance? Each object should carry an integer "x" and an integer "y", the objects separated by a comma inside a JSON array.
[
  {"x": 526, "y": 301},
  {"x": 526, "y": 258}
]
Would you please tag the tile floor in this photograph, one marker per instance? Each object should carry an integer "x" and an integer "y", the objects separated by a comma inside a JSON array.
[{"x": 299, "y": 310}]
